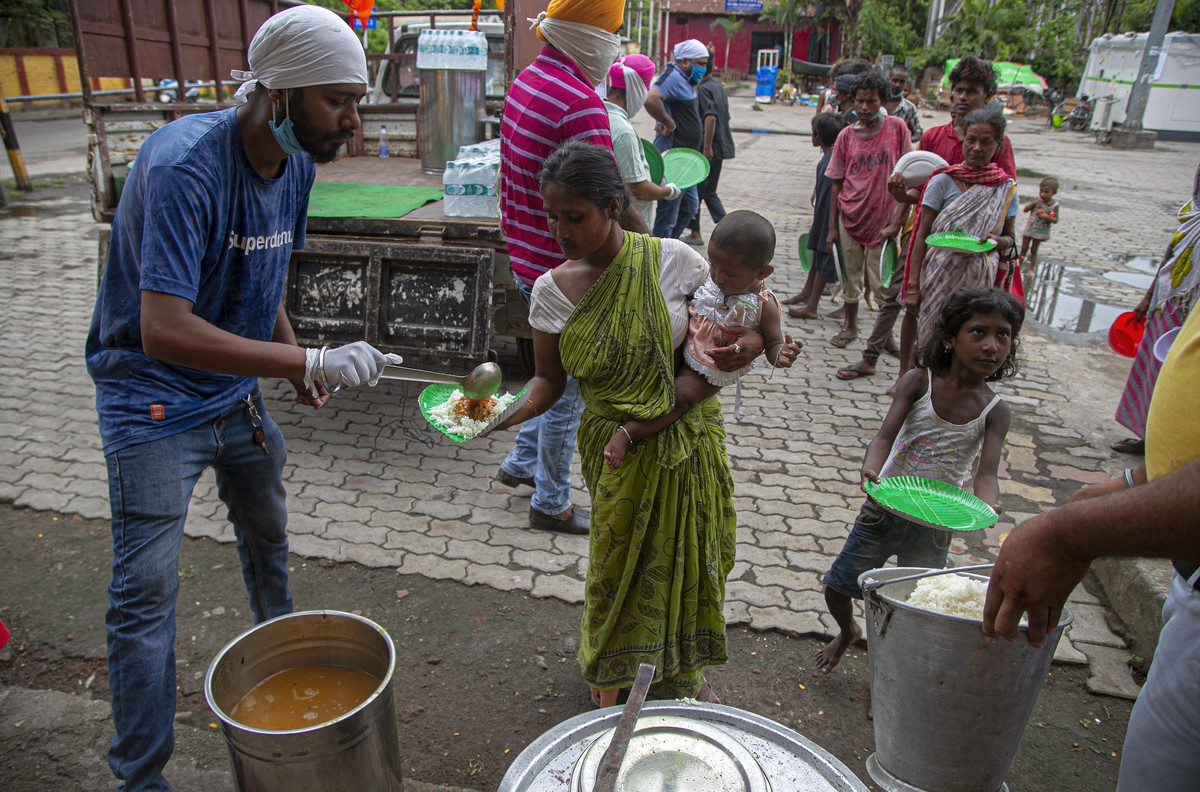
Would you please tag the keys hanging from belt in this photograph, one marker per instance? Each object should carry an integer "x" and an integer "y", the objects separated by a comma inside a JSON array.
[{"x": 256, "y": 424}]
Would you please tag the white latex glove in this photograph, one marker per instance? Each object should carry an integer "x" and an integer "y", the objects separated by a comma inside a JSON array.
[
  {"x": 349, "y": 365},
  {"x": 675, "y": 191}
]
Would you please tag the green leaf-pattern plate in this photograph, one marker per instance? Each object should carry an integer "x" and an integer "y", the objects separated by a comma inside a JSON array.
[
  {"x": 684, "y": 167},
  {"x": 437, "y": 394},
  {"x": 805, "y": 254},
  {"x": 959, "y": 240},
  {"x": 932, "y": 503},
  {"x": 654, "y": 160}
]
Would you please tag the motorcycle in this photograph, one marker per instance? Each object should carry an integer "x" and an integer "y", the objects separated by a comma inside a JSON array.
[{"x": 167, "y": 90}]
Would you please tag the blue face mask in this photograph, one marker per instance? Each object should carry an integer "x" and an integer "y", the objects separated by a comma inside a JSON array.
[
  {"x": 698, "y": 73},
  {"x": 285, "y": 133}
]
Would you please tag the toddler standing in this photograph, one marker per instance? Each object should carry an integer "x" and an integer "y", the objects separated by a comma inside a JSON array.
[{"x": 1043, "y": 213}]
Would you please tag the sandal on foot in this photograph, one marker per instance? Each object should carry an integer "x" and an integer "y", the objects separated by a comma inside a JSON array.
[
  {"x": 1130, "y": 445},
  {"x": 841, "y": 340},
  {"x": 853, "y": 372}
]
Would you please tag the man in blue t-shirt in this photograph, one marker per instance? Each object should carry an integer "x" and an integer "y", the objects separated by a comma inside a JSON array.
[
  {"x": 189, "y": 313},
  {"x": 673, "y": 104}
]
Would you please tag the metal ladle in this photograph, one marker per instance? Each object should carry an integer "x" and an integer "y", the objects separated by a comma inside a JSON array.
[{"x": 483, "y": 381}]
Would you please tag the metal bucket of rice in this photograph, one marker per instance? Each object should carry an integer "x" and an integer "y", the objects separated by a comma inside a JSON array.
[{"x": 948, "y": 710}]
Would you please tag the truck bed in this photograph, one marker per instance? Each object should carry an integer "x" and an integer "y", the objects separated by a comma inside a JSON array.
[{"x": 424, "y": 285}]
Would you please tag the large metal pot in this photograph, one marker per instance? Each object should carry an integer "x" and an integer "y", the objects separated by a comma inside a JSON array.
[
  {"x": 948, "y": 709},
  {"x": 769, "y": 755},
  {"x": 357, "y": 751}
]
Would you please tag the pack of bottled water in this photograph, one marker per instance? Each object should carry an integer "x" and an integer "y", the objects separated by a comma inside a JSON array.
[
  {"x": 471, "y": 181},
  {"x": 465, "y": 50},
  {"x": 471, "y": 187}
]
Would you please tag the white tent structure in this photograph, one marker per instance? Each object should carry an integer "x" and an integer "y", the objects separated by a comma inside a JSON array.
[{"x": 1173, "y": 108}]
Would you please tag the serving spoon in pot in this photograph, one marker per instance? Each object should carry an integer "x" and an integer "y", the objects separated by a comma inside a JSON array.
[{"x": 483, "y": 381}]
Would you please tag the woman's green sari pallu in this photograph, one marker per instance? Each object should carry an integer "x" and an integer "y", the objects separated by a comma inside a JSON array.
[{"x": 663, "y": 525}]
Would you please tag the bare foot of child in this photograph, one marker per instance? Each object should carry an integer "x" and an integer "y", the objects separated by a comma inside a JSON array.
[
  {"x": 614, "y": 452},
  {"x": 831, "y": 655}
]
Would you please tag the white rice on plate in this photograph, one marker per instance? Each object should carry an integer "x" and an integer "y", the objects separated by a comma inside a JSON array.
[
  {"x": 444, "y": 414},
  {"x": 954, "y": 595}
]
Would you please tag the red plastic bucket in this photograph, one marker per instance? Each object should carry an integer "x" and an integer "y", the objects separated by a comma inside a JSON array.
[{"x": 1126, "y": 333}]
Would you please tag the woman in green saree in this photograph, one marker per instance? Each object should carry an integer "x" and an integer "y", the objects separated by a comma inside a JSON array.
[{"x": 662, "y": 527}]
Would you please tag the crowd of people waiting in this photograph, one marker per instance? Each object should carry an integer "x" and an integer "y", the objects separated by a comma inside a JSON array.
[{"x": 635, "y": 334}]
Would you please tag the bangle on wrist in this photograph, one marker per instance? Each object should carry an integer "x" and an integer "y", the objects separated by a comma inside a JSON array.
[
  {"x": 1129, "y": 482},
  {"x": 533, "y": 404},
  {"x": 626, "y": 431}
]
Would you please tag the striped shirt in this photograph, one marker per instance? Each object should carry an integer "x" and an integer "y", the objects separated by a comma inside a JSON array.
[{"x": 548, "y": 104}]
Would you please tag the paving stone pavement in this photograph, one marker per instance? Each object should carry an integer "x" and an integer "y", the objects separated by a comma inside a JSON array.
[{"x": 370, "y": 483}]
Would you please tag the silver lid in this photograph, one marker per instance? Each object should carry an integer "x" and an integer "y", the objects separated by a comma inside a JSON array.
[{"x": 674, "y": 752}]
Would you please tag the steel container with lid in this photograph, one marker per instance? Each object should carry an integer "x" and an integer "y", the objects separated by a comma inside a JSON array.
[{"x": 686, "y": 745}]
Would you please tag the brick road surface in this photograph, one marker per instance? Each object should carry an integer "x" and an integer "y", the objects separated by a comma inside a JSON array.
[{"x": 369, "y": 482}]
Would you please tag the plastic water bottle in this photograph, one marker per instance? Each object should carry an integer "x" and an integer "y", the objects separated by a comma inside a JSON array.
[
  {"x": 383, "y": 140},
  {"x": 452, "y": 187}
]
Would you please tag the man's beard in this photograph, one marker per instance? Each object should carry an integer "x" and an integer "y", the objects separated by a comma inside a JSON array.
[{"x": 322, "y": 149}]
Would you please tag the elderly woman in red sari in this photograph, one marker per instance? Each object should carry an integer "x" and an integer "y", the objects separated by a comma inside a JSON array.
[
  {"x": 662, "y": 527},
  {"x": 975, "y": 197}
]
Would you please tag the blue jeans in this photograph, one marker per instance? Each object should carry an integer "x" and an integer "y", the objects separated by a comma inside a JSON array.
[
  {"x": 150, "y": 485},
  {"x": 671, "y": 217},
  {"x": 878, "y": 535},
  {"x": 545, "y": 445}
]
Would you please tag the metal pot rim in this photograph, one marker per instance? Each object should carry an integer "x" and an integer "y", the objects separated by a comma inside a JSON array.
[{"x": 230, "y": 722}]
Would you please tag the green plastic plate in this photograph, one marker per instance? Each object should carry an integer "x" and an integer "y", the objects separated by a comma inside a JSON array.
[
  {"x": 684, "y": 167},
  {"x": 837, "y": 262},
  {"x": 959, "y": 240},
  {"x": 805, "y": 254},
  {"x": 932, "y": 503},
  {"x": 887, "y": 263},
  {"x": 654, "y": 160},
  {"x": 437, "y": 394}
]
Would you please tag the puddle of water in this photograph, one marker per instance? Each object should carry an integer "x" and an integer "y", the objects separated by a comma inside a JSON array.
[
  {"x": 1135, "y": 279},
  {"x": 1056, "y": 299},
  {"x": 1146, "y": 264}
]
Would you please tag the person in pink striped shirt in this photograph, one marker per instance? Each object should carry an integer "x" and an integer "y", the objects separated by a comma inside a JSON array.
[{"x": 553, "y": 100}]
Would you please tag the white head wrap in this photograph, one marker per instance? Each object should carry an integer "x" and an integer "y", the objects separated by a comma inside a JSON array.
[
  {"x": 591, "y": 48},
  {"x": 692, "y": 49},
  {"x": 302, "y": 46}
]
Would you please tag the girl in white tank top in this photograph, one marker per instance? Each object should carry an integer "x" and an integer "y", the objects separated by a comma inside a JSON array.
[{"x": 943, "y": 417}]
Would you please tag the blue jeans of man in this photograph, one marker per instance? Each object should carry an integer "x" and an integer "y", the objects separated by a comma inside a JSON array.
[
  {"x": 150, "y": 485},
  {"x": 545, "y": 445},
  {"x": 671, "y": 217}
]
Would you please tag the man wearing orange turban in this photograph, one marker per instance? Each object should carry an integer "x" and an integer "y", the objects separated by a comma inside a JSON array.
[{"x": 553, "y": 100}]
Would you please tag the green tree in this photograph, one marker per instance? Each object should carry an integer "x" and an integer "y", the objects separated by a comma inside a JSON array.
[
  {"x": 34, "y": 23},
  {"x": 882, "y": 30},
  {"x": 377, "y": 42},
  {"x": 787, "y": 14},
  {"x": 731, "y": 25}
]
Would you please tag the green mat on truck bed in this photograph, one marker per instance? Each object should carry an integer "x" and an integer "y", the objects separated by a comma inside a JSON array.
[{"x": 355, "y": 199}]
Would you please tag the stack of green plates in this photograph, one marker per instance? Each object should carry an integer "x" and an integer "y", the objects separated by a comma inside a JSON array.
[
  {"x": 654, "y": 160},
  {"x": 932, "y": 503},
  {"x": 439, "y": 393},
  {"x": 684, "y": 167},
  {"x": 959, "y": 240}
]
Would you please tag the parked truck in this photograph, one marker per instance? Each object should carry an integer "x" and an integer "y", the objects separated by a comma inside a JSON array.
[{"x": 432, "y": 288}]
